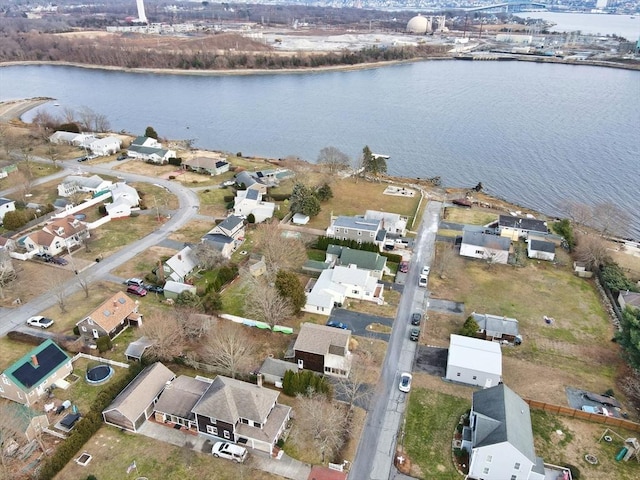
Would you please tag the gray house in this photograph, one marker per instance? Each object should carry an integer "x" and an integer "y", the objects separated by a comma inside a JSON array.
[
  {"x": 500, "y": 438},
  {"x": 478, "y": 244},
  {"x": 358, "y": 229},
  {"x": 181, "y": 265},
  {"x": 493, "y": 327},
  {"x": 206, "y": 165}
]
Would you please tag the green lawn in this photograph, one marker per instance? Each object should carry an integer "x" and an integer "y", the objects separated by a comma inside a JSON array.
[
  {"x": 431, "y": 420},
  {"x": 472, "y": 216}
]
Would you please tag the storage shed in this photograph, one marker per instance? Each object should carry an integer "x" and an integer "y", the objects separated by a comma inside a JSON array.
[{"x": 474, "y": 361}]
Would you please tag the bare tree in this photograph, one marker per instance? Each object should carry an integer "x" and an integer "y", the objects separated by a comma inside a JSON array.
[
  {"x": 280, "y": 253},
  {"x": 84, "y": 285},
  {"x": 23, "y": 180},
  {"x": 7, "y": 272},
  {"x": 228, "y": 349},
  {"x": 208, "y": 257},
  {"x": 354, "y": 389},
  {"x": 194, "y": 324},
  {"x": 334, "y": 159},
  {"x": 264, "y": 303},
  {"x": 59, "y": 291},
  {"x": 577, "y": 212},
  {"x": 592, "y": 250},
  {"x": 164, "y": 330},
  {"x": 610, "y": 219},
  {"x": 324, "y": 422},
  {"x": 9, "y": 430}
]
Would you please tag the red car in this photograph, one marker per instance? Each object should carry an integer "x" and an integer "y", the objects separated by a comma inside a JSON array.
[
  {"x": 403, "y": 267},
  {"x": 136, "y": 290}
]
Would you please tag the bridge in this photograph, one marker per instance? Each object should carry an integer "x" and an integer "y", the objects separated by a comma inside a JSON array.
[{"x": 514, "y": 6}]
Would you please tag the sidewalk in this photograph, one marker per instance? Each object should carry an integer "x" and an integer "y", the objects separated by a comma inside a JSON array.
[{"x": 285, "y": 467}]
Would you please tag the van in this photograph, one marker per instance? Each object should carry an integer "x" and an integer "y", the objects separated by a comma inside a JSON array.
[{"x": 229, "y": 451}]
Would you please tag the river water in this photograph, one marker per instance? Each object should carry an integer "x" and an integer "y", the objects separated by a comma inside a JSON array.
[
  {"x": 534, "y": 134},
  {"x": 626, "y": 26}
]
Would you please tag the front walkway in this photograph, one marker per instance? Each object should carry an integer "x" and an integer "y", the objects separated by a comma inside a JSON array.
[{"x": 286, "y": 466}]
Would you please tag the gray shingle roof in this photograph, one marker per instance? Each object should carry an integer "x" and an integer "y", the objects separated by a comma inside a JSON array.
[
  {"x": 494, "y": 323},
  {"x": 231, "y": 222},
  {"x": 481, "y": 239},
  {"x": 357, "y": 223},
  {"x": 542, "y": 246},
  {"x": 228, "y": 400},
  {"x": 318, "y": 339},
  {"x": 530, "y": 224},
  {"x": 181, "y": 395},
  {"x": 502, "y": 416}
]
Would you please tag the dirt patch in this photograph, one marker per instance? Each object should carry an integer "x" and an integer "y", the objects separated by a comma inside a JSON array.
[{"x": 33, "y": 279}]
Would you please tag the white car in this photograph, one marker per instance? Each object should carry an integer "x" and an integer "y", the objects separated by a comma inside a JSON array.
[
  {"x": 230, "y": 451},
  {"x": 425, "y": 270},
  {"x": 405, "y": 382},
  {"x": 40, "y": 322}
]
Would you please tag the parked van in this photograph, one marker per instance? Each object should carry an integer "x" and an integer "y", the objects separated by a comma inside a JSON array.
[{"x": 229, "y": 451}]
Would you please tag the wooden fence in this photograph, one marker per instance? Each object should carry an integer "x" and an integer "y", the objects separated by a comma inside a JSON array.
[{"x": 590, "y": 417}]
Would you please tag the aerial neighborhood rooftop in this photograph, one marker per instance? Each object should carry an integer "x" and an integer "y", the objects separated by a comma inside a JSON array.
[{"x": 265, "y": 312}]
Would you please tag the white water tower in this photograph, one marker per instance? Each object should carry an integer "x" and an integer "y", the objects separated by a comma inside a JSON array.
[{"x": 142, "y": 18}]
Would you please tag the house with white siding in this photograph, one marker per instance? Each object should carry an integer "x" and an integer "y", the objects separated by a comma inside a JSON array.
[
  {"x": 474, "y": 361},
  {"x": 105, "y": 146},
  {"x": 485, "y": 246}
]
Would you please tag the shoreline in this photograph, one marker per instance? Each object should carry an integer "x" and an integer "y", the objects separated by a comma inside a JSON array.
[{"x": 314, "y": 70}]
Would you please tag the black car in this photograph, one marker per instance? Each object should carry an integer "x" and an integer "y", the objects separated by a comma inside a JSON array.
[
  {"x": 83, "y": 159},
  {"x": 58, "y": 261},
  {"x": 123, "y": 156},
  {"x": 154, "y": 288},
  {"x": 415, "y": 318},
  {"x": 414, "y": 334},
  {"x": 45, "y": 257}
]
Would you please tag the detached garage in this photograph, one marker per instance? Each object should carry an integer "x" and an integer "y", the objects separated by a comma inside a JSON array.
[
  {"x": 136, "y": 402},
  {"x": 474, "y": 362}
]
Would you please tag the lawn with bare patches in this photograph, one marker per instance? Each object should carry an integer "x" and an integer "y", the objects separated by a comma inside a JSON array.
[
  {"x": 391, "y": 297},
  {"x": 143, "y": 168},
  {"x": 470, "y": 216},
  {"x": 33, "y": 279},
  {"x": 144, "y": 262},
  {"x": 155, "y": 197},
  {"x": 113, "y": 451},
  {"x": 10, "y": 351},
  {"x": 212, "y": 201},
  {"x": 192, "y": 232}
]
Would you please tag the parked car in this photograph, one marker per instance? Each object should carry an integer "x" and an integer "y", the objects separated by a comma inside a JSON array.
[
  {"x": 598, "y": 410},
  {"x": 425, "y": 270},
  {"x": 122, "y": 156},
  {"x": 422, "y": 282},
  {"x": 230, "y": 451},
  {"x": 154, "y": 288},
  {"x": 135, "y": 281},
  {"x": 45, "y": 257},
  {"x": 137, "y": 290},
  {"x": 414, "y": 334},
  {"x": 403, "y": 267},
  {"x": 405, "y": 382},
  {"x": 336, "y": 324},
  {"x": 40, "y": 322},
  {"x": 59, "y": 261},
  {"x": 415, "y": 318},
  {"x": 83, "y": 159}
]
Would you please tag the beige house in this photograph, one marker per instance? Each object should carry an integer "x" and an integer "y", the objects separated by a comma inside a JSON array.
[
  {"x": 111, "y": 318},
  {"x": 135, "y": 404},
  {"x": 27, "y": 380},
  {"x": 59, "y": 236}
]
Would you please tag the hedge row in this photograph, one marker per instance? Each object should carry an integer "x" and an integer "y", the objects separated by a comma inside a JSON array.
[
  {"x": 393, "y": 257},
  {"x": 302, "y": 382},
  {"x": 88, "y": 425},
  {"x": 323, "y": 243}
]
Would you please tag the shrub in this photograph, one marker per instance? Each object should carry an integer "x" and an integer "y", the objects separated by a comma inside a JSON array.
[
  {"x": 251, "y": 218},
  {"x": 24, "y": 337},
  {"x": 103, "y": 344},
  {"x": 102, "y": 210},
  {"x": 175, "y": 161},
  {"x": 228, "y": 198},
  {"x": 279, "y": 197},
  {"x": 301, "y": 382},
  {"x": 172, "y": 177},
  {"x": 239, "y": 154},
  {"x": 575, "y": 472},
  {"x": 76, "y": 330},
  {"x": 392, "y": 257}
]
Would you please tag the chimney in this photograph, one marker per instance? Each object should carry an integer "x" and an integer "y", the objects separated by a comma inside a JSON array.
[
  {"x": 179, "y": 257},
  {"x": 259, "y": 380},
  {"x": 34, "y": 360}
]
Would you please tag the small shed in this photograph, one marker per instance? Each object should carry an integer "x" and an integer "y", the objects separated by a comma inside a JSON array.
[
  {"x": 273, "y": 370},
  {"x": 541, "y": 249},
  {"x": 173, "y": 289},
  {"x": 300, "y": 219}
]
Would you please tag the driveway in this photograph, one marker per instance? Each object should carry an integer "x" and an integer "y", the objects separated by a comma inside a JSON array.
[
  {"x": 446, "y": 306},
  {"x": 285, "y": 467},
  {"x": 431, "y": 360},
  {"x": 357, "y": 322}
]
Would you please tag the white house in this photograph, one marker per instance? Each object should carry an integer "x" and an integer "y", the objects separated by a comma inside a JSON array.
[
  {"x": 70, "y": 138},
  {"x": 392, "y": 222},
  {"x": 478, "y": 244},
  {"x": 249, "y": 202},
  {"x": 474, "y": 361},
  {"x": 519, "y": 227},
  {"x": 173, "y": 289},
  {"x": 105, "y": 146},
  {"x": 149, "y": 149},
  {"x": 540, "y": 249},
  {"x": 206, "y": 165},
  {"x": 500, "y": 438},
  {"x": 58, "y": 236},
  {"x": 124, "y": 199},
  {"x": 76, "y": 183},
  {"x": 336, "y": 284},
  {"x": 178, "y": 267},
  {"x": 6, "y": 205}
]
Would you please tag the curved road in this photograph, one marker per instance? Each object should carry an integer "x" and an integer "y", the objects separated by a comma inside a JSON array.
[
  {"x": 189, "y": 205},
  {"x": 376, "y": 451}
]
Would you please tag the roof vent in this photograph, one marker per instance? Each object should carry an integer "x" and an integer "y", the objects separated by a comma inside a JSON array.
[
  {"x": 122, "y": 301},
  {"x": 106, "y": 313}
]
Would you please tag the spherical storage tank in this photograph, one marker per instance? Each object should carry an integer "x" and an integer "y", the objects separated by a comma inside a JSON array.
[{"x": 418, "y": 24}]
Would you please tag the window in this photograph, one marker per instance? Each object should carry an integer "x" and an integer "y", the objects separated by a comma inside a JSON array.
[
  {"x": 245, "y": 421},
  {"x": 458, "y": 374},
  {"x": 226, "y": 435},
  {"x": 212, "y": 430},
  {"x": 371, "y": 234},
  {"x": 514, "y": 477},
  {"x": 485, "y": 470},
  {"x": 84, "y": 329},
  {"x": 475, "y": 377},
  {"x": 479, "y": 252},
  {"x": 516, "y": 466},
  {"x": 359, "y": 233},
  {"x": 489, "y": 458},
  {"x": 255, "y": 424}
]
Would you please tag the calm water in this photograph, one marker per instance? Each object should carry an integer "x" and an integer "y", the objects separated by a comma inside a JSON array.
[
  {"x": 535, "y": 134},
  {"x": 591, "y": 23}
]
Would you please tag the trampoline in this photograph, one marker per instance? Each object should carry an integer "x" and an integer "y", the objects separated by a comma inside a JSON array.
[{"x": 99, "y": 374}]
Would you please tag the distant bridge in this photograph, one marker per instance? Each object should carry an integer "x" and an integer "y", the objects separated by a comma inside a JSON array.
[{"x": 516, "y": 5}]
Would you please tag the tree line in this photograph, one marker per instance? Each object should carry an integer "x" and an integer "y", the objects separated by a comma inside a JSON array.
[{"x": 201, "y": 55}]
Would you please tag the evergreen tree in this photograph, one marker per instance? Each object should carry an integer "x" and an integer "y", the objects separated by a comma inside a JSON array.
[
  {"x": 151, "y": 133},
  {"x": 470, "y": 327},
  {"x": 629, "y": 336},
  {"x": 289, "y": 286}
]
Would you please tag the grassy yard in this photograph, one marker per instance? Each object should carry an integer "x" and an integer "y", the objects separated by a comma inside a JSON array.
[
  {"x": 156, "y": 197},
  {"x": 431, "y": 419},
  {"x": 38, "y": 170},
  {"x": 471, "y": 216},
  {"x": 391, "y": 297},
  {"x": 112, "y": 236},
  {"x": 212, "y": 201},
  {"x": 192, "y": 231},
  {"x": 113, "y": 451},
  {"x": 144, "y": 263},
  {"x": 10, "y": 351}
]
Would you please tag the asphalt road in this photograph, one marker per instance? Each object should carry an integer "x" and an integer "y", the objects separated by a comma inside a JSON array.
[
  {"x": 358, "y": 322},
  {"x": 189, "y": 203},
  {"x": 376, "y": 451}
]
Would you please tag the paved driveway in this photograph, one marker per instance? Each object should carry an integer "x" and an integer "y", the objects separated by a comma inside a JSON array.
[
  {"x": 431, "y": 360},
  {"x": 285, "y": 467},
  {"x": 446, "y": 306},
  {"x": 357, "y": 322}
]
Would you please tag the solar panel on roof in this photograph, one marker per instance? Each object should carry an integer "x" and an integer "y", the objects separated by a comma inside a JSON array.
[{"x": 48, "y": 359}]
